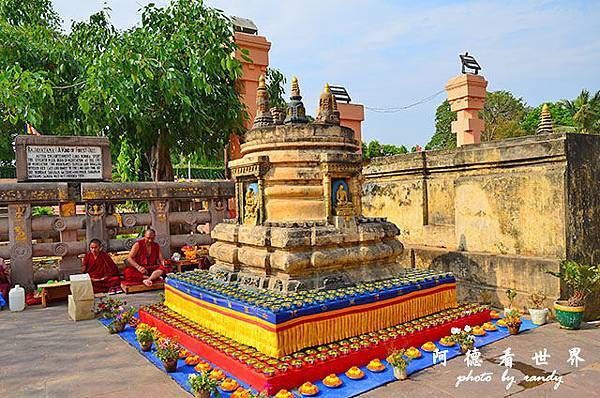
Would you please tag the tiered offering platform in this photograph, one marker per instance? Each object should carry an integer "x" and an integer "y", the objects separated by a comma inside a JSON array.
[
  {"x": 265, "y": 373},
  {"x": 280, "y": 324}
]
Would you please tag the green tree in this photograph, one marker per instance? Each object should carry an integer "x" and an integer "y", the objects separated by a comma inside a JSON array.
[
  {"x": 443, "y": 136},
  {"x": 165, "y": 85},
  {"x": 502, "y": 114},
  {"x": 374, "y": 149},
  {"x": 276, "y": 88},
  {"x": 585, "y": 110}
]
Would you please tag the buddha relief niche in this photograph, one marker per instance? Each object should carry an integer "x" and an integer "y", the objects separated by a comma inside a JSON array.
[
  {"x": 251, "y": 203},
  {"x": 341, "y": 199}
]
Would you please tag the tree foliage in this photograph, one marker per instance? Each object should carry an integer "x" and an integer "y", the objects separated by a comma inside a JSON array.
[
  {"x": 503, "y": 114},
  {"x": 561, "y": 117},
  {"x": 276, "y": 87},
  {"x": 443, "y": 137},
  {"x": 374, "y": 149},
  {"x": 585, "y": 111},
  {"x": 165, "y": 85}
]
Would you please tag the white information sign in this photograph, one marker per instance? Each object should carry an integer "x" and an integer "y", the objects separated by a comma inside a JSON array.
[{"x": 64, "y": 162}]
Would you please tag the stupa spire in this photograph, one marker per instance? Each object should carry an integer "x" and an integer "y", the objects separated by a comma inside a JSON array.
[
  {"x": 295, "y": 111},
  {"x": 263, "y": 116},
  {"x": 545, "y": 126}
]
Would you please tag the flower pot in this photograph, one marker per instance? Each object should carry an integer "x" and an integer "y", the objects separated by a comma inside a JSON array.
[
  {"x": 202, "y": 394},
  {"x": 146, "y": 345},
  {"x": 170, "y": 365},
  {"x": 400, "y": 373},
  {"x": 568, "y": 317},
  {"x": 513, "y": 329},
  {"x": 465, "y": 347},
  {"x": 538, "y": 316}
]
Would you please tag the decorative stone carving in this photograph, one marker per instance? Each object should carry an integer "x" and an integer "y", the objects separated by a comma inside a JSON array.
[
  {"x": 129, "y": 242},
  {"x": 278, "y": 115},
  {"x": 20, "y": 250},
  {"x": 95, "y": 210},
  {"x": 162, "y": 240},
  {"x": 295, "y": 111},
  {"x": 328, "y": 113},
  {"x": 129, "y": 220},
  {"x": 59, "y": 224},
  {"x": 61, "y": 249},
  {"x": 545, "y": 126},
  {"x": 190, "y": 218},
  {"x": 251, "y": 206},
  {"x": 263, "y": 116}
]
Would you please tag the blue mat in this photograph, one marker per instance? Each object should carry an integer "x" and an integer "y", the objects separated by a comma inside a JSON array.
[
  {"x": 349, "y": 388},
  {"x": 2, "y": 302}
]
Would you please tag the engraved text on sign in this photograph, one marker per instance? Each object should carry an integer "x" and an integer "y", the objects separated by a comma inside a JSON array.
[{"x": 64, "y": 162}]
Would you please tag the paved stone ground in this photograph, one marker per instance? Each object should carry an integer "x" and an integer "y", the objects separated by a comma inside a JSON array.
[{"x": 44, "y": 354}]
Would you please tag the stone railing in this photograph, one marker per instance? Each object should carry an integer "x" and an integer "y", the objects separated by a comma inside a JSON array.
[{"x": 181, "y": 213}]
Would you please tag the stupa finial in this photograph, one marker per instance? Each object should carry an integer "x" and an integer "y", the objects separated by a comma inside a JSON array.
[
  {"x": 545, "y": 126},
  {"x": 295, "y": 111},
  {"x": 263, "y": 116},
  {"x": 295, "y": 87},
  {"x": 328, "y": 113}
]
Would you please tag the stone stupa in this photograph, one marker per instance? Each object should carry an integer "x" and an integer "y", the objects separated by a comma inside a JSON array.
[{"x": 299, "y": 219}]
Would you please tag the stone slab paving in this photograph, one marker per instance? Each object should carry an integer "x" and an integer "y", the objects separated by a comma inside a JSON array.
[{"x": 44, "y": 354}]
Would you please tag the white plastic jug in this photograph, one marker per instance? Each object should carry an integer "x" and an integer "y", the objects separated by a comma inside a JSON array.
[{"x": 16, "y": 298}]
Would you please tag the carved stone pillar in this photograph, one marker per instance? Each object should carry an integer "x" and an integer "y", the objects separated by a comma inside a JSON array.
[
  {"x": 261, "y": 202},
  {"x": 19, "y": 233},
  {"x": 356, "y": 194},
  {"x": 327, "y": 196},
  {"x": 95, "y": 223},
  {"x": 70, "y": 263},
  {"x": 218, "y": 210},
  {"x": 159, "y": 210}
]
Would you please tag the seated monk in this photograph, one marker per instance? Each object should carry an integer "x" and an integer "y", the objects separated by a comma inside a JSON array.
[
  {"x": 145, "y": 263},
  {"x": 102, "y": 269}
]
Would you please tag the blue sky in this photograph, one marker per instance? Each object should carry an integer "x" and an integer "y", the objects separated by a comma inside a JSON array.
[{"x": 393, "y": 53}]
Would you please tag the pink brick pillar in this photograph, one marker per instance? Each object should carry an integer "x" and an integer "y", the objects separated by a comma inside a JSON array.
[{"x": 466, "y": 94}]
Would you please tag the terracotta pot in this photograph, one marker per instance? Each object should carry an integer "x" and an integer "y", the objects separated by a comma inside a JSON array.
[
  {"x": 513, "y": 329},
  {"x": 464, "y": 348},
  {"x": 170, "y": 365},
  {"x": 202, "y": 394},
  {"x": 146, "y": 345},
  {"x": 400, "y": 373}
]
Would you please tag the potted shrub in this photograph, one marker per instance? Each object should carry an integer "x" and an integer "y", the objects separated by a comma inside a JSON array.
[
  {"x": 511, "y": 295},
  {"x": 582, "y": 280},
  {"x": 463, "y": 337},
  {"x": 120, "y": 320},
  {"x": 145, "y": 336},
  {"x": 513, "y": 321},
  {"x": 202, "y": 385},
  {"x": 538, "y": 312},
  {"x": 167, "y": 350},
  {"x": 399, "y": 363}
]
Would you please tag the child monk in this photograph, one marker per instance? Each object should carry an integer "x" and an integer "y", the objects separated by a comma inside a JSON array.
[{"x": 102, "y": 269}]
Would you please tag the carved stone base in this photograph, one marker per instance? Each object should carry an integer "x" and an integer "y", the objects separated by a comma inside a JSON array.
[{"x": 296, "y": 257}]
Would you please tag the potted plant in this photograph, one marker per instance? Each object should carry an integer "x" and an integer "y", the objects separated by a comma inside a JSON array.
[
  {"x": 538, "y": 312},
  {"x": 202, "y": 385},
  {"x": 167, "y": 350},
  {"x": 513, "y": 321},
  {"x": 108, "y": 308},
  {"x": 145, "y": 336},
  {"x": 399, "y": 363},
  {"x": 463, "y": 337},
  {"x": 582, "y": 280},
  {"x": 120, "y": 320},
  {"x": 510, "y": 294}
]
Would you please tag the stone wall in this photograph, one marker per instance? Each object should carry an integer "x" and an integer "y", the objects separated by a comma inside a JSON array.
[{"x": 497, "y": 214}]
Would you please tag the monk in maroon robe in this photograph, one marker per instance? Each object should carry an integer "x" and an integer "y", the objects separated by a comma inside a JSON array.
[
  {"x": 145, "y": 263},
  {"x": 101, "y": 268}
]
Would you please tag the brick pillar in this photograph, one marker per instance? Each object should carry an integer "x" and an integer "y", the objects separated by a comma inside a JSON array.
[
  {"x": 466, "y": 94},
  {"x": 19, "y": 233},
  {"x": 352, "y": 116},
  {"x": 159, "y": 211}
]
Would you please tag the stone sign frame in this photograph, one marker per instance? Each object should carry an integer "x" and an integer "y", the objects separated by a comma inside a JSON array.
[
  {"x": 244, "y": 174},
  {"x": 24, "y": 141}
]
